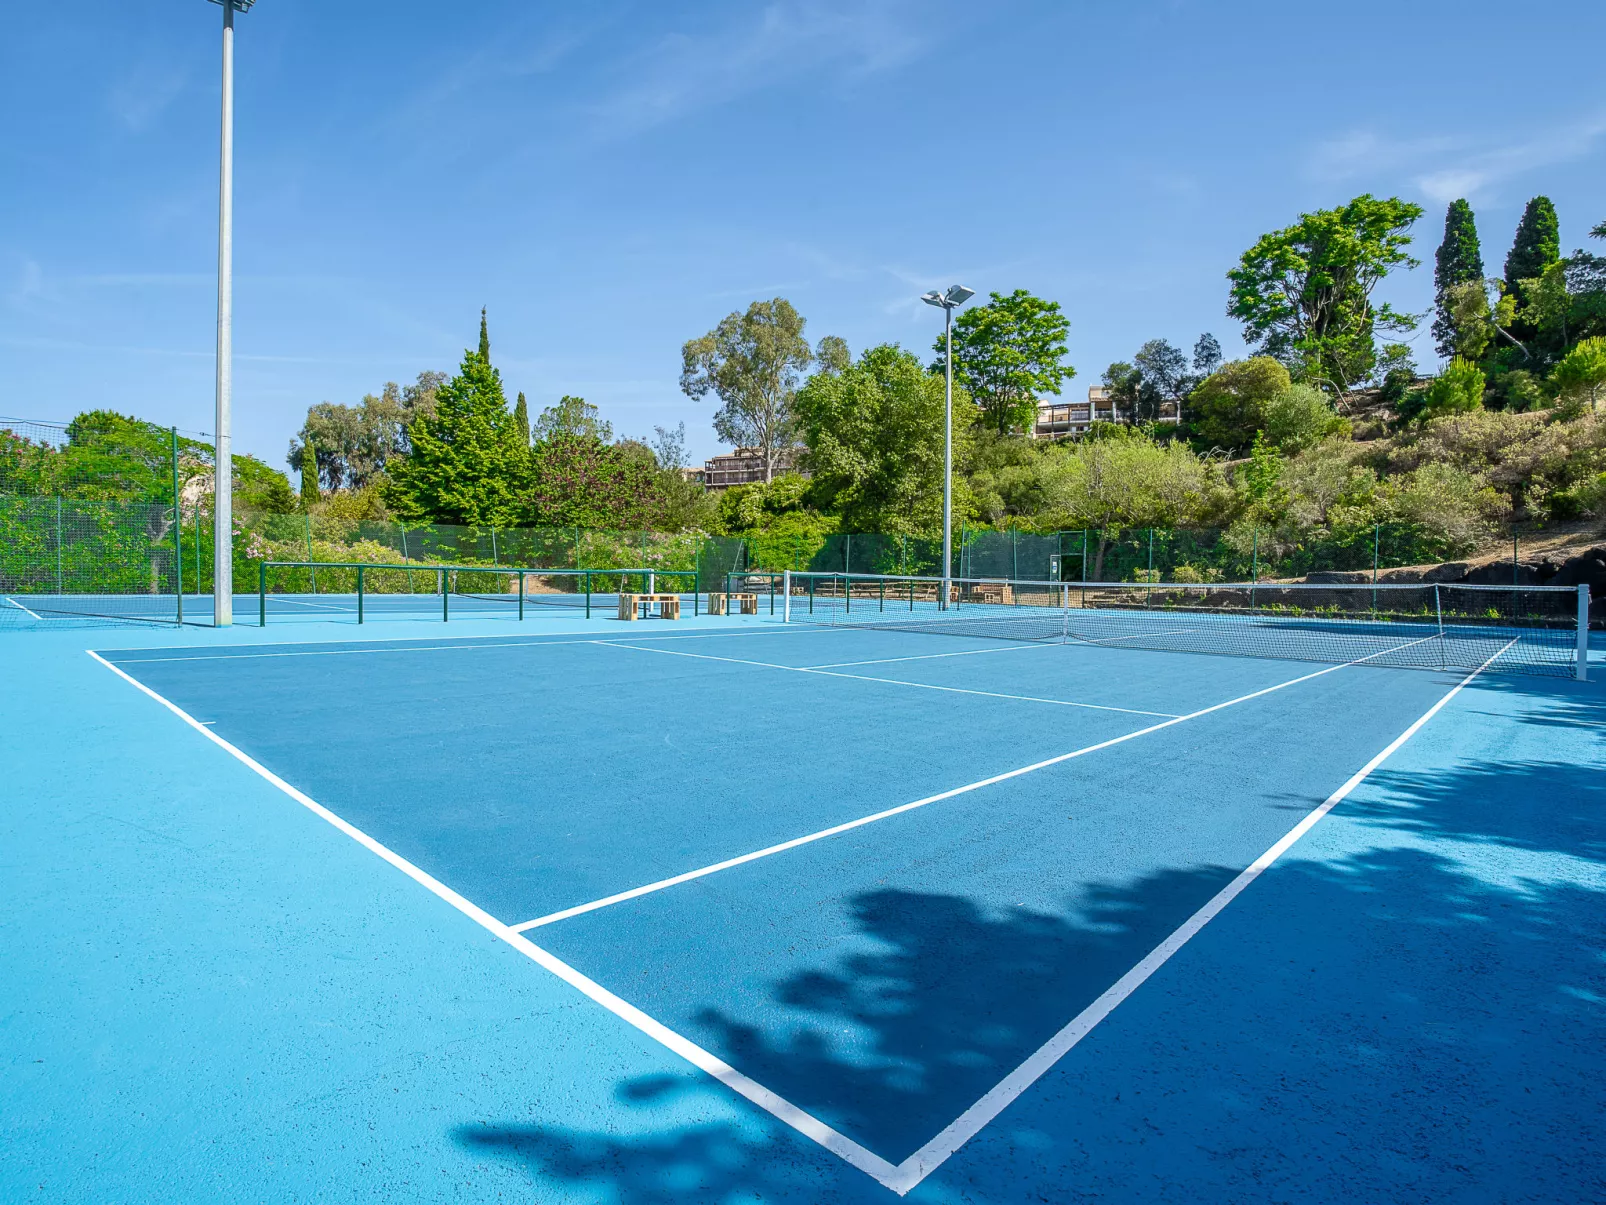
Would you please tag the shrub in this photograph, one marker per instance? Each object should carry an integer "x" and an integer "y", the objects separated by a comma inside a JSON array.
[
  {"x": 1301, "y": 417},
  {"x": 1456, "y": 390},
  {"x": 1229, "y": 406}
]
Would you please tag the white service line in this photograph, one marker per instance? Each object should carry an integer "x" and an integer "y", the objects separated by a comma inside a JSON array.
[
  {"x": 296, "y": 602},
  {"x": 772, "y": 1103},
  {"x": 1012, "y": 648},
  {"x": 837, "y": 829},
  {"x": 831, "y": 673},
  {"x": 481, "y": 643}
]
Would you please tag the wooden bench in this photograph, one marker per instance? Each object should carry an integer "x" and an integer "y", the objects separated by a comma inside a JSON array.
[
  {"x": 718, "y": 602},
  {"x": 630, "y": 605}
]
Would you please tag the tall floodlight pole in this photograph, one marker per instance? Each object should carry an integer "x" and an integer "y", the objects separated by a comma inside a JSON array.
[
  {"x": 223, "y": 457},
  {"x": 949, "y": 302}
]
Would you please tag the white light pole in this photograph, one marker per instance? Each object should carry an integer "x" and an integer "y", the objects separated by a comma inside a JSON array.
[
  {"x": 948, "y": 302},
  {"x": 223, "y": 462}
]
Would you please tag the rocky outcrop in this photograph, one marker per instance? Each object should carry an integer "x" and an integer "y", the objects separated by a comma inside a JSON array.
[{"x": 1588, "y": 568}]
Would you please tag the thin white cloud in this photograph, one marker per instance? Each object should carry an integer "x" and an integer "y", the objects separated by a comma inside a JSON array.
[
  {"x": 143, "y": 94},
  {"x": 1443, "y": 168},
  {"x": 682, "y": 73}
]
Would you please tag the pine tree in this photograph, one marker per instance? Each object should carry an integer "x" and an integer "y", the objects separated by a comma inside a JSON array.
[
  {"x": 309, "y": 475},
  {"x": 485, "y": 338},
  {"x": 521, "y": 420},
  {"x": 467, "y": 464},
  {"x": 1536, "y": 247},
  {"x": 1459, "y": 260}
]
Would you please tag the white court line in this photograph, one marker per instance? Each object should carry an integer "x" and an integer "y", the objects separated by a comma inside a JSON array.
[
  {"x": 835, "y": 830},
  {"x": 1013, "y": 648},
  {"x": 772, "y": 1103},
  {"x": 474, "y": 643},
  {"x": 20, "y": 607},
  {"x": 903, "y": 1177},
  {"x": 969, "y": 1123},
  {"x": 830, "y": 673},
  {"x": 296, "y": 602}
]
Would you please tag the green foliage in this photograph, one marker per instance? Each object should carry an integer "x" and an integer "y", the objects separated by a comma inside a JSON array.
[
  {"x": 1007, "y": 354},
  {"x": 1304, "y": 293},
  {"x": 485, "y": 338},
  {"x": 1458, "y": 261},
  {"x": 751, "y": 362},
  {"x": 521, "y": 419},
  {"x": 1005, "y": 475},
  {"x": 1229, "y": 406},
  {"x": 467, "y": 459},
  {"x": 1536, "y": 246},
  {"x": 571, "y": 416},
  {"x": 1262, "y": 479},
  {"x": 1581, "y": 374},
  {"x": 258, "y": 486},
  {"x": 758, "y": 507},
  {"x": 355, "y": 443},
  {"x": 1456, "y": 390},
  {"x": 309, "y": 475},
  {"x": 1126, "y": 482},
  {"x": 576, "y": 480},
  {"x": 1301, "y": 417},
  {"x": 874, "y": 433}
]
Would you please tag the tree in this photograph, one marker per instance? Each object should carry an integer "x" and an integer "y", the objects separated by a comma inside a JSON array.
[
  {"x": 669, "y": 446},
  {"x": 1164, "y": 370},
  {"x": 1304, "y": 293},
  {"x": 309, "y": 475},
  {"x": 576, "y": 480},
  {"x": 355, "y": 443},
  {"x": 1299, "y": 418},
  {"x": 572, "y": 416},
  {"x": 1456, "y": 390},
  {"x": 1207, "y": 356},
  {"x": 1123, "y": 385},
  {"x": 751, "y": 363},
  {"x": 1007, "y": 353},
  {"x": 832, "y": 354},
  {"x": 1582, "y": 371},
  {"x": 485, "y": 338},
  {"x": 521, "y": 419},
  {"x": 1536, "y": 246},
  {"x": 1458, "y": 260},
  {"x": 1229, "y": 406},
  {"x": 467, "y": 462},
  {"x": 874, "y": 433}
]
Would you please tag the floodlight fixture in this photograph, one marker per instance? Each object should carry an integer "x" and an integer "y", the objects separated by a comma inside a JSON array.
[{"x": 948, "y": 302}]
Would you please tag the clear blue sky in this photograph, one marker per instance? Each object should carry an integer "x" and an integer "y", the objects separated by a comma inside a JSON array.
[{"x": 611, "y": 179}]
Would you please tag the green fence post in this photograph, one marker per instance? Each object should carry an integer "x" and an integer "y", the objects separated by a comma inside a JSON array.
[
  {"x": 178, "y": 535},
  {"x": 1254, "y": 564},
  {"x": 199, "y": 586},
  {"x": 1377, "y": 536},
  {"x": 359, "y": 593},
  {"x": 60, "y": 587},
  {"x": 496, "y": 558},
  {"x": 1151, "y": 555},
  {"x": 446, "y": 595},
  {"x": 1084, "y": 557},
  {"x": 521, "y": 596},
  {"x": 586, "y": 574},
  {"x": 1514, "y": 572},
  {"x": 262, "y": 594}
]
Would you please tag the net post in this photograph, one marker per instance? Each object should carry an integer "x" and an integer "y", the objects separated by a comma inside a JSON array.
[
  {"x": 446, "y": 594},
  {"x": 1438, "y": 611},
  {"x": 359, "y": 594},
  {"x": 786, "y": 596},
  {"x": 1581, "y": 658},
  {"x": 262, "y": 594},
  {"x": 521, "y": 596}
]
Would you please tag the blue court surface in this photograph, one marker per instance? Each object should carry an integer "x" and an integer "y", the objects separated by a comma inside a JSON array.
[{"x": 732, "y": 910}]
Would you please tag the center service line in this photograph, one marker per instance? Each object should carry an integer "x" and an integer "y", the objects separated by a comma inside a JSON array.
[{"x": 834, "y": 830}]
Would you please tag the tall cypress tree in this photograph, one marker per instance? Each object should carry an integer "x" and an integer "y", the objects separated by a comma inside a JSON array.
[
  {"x": 309, "y": 475},
  {"x": 485, "y": 338},
  {"x": 521, "y": 419},
  {"x": 1459, "y": 260},
  {"x": 1536, "y": 247}
]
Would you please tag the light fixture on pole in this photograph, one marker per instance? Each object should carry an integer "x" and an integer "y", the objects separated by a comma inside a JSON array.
[
  {"x": 948, "y": 302},
  {"x": 223, "y": 457}
]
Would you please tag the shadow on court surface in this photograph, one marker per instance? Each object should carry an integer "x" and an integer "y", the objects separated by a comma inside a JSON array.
[{"x": 1392, "y": 1024}]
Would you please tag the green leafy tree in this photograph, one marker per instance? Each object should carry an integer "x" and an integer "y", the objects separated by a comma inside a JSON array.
[
  {"x": 1304, "y": 293},
  {"x": 751, "y": 362},
  {"x": 1458, "y": 261},
  {"x": 467, "y": 462},
  {"x": 1456, "y": 390},
  {"x": 309, "y": 475},
  {"x": 1229, "y": 406},
  {"x": 355, "y": 443},
  {"x": 874, "y": 433},
  {"x": 1007, "y": 354},
  {"x": 521, "y": 419},
  {"x": 485, "y": 338},
  {"x": 571, "y": 416},
  {"x": 1581, "y": 374},
  {"x": 1536, "y": 246},
  {"x": 576, "y": 480},
  {"x": 1207, "y": 356},
  {"x": 1299, "y": 418}
]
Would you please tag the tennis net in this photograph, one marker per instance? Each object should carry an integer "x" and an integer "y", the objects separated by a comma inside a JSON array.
[{"x": 1525, "y": 629}]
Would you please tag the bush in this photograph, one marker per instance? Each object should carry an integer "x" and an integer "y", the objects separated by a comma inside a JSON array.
[
  {"x": 1301, "y": 417},
  {"x": 1229, "y": 406},
  {"x": 1456, "y": 390},
  {"x": 1585, "y": 499}
]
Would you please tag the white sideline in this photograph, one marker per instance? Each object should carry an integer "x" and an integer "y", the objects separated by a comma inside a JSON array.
[
  {"x": 777, "y": 1106},
  {"x": 20, "y": 607},
  {"x": 903, "y": 1177},
  {"x": 835, "y": 830},
  {"x": 1012, "y": 648},
  {"x": 831, "y": 673}
]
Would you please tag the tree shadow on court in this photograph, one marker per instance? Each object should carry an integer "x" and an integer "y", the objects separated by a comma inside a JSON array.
[{"x": 1389, "y": 992}]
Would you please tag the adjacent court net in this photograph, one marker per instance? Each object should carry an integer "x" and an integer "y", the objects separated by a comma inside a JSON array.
[{"x": 1527, "y": 629}]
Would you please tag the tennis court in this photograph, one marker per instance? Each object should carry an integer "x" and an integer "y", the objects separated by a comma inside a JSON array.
[{"x": 848, "y": 907}]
